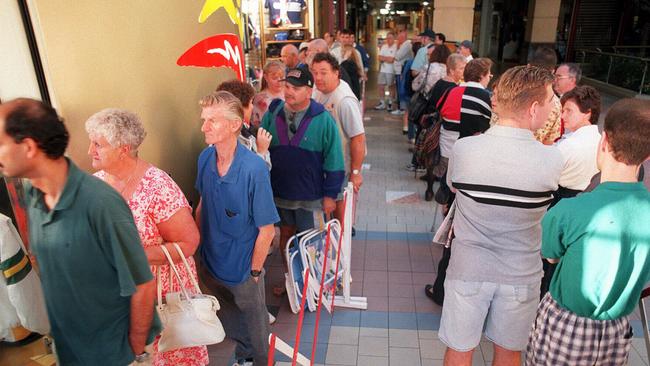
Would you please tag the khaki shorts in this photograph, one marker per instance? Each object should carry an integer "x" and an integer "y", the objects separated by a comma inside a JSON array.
[
  {"x": 385, "y": 78},
  {"x": 507, "y": 311}
]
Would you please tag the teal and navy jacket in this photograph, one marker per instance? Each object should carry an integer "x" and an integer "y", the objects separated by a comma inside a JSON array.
[{"x": 309, "y": 166}]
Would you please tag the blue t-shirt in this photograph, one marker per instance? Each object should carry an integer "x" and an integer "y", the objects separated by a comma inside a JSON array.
[
  {"x": 421, "y": 58},
  {"x": 233, "y": 208}
]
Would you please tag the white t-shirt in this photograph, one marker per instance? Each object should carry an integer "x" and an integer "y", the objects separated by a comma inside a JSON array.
[
  {"x": 387, "y": 51},
  {"x": 345, "y": 109},
  {"x": 579, "y": 154}
]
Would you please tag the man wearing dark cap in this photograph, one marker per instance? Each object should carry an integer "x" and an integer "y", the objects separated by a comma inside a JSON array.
[
  {"x": 306, "y": 154},
  {"x": 465, "y": 49},
  {"x": 422, "y": 57}
]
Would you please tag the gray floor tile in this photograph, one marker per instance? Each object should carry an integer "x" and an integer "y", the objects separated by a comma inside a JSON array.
[
  {"x": 432, "y": 348},
  {"x": 403, "y": 356},
  {"x": 340, "y": 354},
  {"x": 400, "y": 290},
  {"x": 372, "y": 361},
  {"x": 373, "y": 332},
  {"x": 401, "y": 304},
  {"x": 344, "y": 335},
  {"x": 373, "y": 346},
  {"x": 405, "y": 338}
]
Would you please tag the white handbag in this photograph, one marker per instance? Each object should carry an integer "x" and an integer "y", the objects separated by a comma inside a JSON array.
[{"x": 189, "y": 320}]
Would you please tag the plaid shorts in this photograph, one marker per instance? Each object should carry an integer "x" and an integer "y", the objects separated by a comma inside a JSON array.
[{"x": 560, "y": 337}]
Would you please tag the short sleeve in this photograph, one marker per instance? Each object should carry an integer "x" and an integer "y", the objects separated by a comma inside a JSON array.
[
  {"x": 350, "y": 117},
  {"x": 167, "y": 198},
  {"x": 263, "y": 206},
  {"x": 552, "y": 235},
  {"x": 120, "y": 239},
  {"x": 202, "y": 161}
]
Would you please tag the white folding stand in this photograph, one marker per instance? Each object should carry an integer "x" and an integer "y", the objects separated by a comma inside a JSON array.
[{"x": 346, "y": 300}]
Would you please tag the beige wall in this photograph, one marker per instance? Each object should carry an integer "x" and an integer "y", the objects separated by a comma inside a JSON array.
[
  {"x": 122, "y": 53},
  {"x": 454, "y": 18},
  {"x": 544, "y": 22}
]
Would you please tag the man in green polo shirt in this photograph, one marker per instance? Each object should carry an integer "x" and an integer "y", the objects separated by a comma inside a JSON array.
[
  {"x": 98, "y": 287},
  {"x": 601, "y": 242}
]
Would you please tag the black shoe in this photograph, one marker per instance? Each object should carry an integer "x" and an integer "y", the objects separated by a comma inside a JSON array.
[
  {"x": 353, "y": 232},
  {"x": 424, "y": 178},
  {"x": 428, "y": 290}
]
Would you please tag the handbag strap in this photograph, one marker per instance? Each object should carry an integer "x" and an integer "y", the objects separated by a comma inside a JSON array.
[
  {"x": 424, "y": 82},
  {"x": 172, "y": 266},
  {"x": 443, "y": 99},
  {"x": 188, "y": 270}
]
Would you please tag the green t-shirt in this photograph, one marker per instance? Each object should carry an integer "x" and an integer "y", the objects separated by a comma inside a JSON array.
[
  {"x": 603, "y": 241},
  {"x": 91, "y": 260}
]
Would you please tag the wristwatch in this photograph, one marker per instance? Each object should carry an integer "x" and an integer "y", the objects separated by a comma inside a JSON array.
[
  {"x": 255, "y": 273},
  {"x": 144, "y": 356},
  {"x": 355, "y": 171}
]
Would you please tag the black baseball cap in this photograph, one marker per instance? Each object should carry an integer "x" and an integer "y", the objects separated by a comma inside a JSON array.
[
  {"x": 428, "y": 33},
  {"x": 299, "y": 77}
]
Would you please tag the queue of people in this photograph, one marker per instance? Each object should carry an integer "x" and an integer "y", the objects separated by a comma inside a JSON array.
[{"x": 508, "y": 149}]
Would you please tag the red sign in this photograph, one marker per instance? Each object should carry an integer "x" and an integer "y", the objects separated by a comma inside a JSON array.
[{"x": 222, "y": 50}]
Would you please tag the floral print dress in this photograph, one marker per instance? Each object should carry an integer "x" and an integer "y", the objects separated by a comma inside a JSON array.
[{"x": 156, "y": 199}]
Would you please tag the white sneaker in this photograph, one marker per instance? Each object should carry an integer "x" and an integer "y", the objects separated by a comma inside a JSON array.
[
  {"x": 397, "y": 112},
  {"x": 380, "y": 107},
  {"x": 271, "y": 319}
]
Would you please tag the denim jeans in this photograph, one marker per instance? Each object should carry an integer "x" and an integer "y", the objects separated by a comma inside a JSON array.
[{"x": 243, "y": 314}]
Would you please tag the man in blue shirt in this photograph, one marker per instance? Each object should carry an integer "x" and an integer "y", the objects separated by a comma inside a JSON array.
[
  {"x": 421, "y": 59},
  {"x": 236, "y": 226}
]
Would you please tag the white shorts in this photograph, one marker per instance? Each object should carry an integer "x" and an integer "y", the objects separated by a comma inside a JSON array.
[
  {"x": 385, "y": 78},
  {"x": 508, "y": 312}
]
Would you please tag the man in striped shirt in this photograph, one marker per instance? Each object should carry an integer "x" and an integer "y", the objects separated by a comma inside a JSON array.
[{"x": 504, "y": 181}]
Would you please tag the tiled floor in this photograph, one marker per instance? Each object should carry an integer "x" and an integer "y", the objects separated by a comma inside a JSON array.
[{"x": 392, "y": 260}]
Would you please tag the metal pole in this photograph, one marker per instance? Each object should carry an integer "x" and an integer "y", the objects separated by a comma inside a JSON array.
[
  {"x": 609, "y": 69},
  {"x": 645, "y": 71}
]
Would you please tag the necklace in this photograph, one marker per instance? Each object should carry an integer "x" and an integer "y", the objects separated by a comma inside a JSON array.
[{"x": 135, "y": 169}]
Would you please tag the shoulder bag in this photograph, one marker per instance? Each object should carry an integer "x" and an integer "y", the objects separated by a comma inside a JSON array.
[{"x": 189, "y": 320}]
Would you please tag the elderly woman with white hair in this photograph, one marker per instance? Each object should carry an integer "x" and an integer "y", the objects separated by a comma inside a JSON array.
[{"x": 161, "y": 211}]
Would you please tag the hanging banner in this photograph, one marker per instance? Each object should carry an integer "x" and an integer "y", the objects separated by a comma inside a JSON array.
[{"x": 222, "y": 50}]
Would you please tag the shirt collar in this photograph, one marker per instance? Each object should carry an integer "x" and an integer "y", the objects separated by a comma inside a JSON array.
[
  {"x": 233, "y": 171},
  {"x": 473, "y": 84},
  {"x": 512, "y": 132},
  {"x": 72, "y": 184}
]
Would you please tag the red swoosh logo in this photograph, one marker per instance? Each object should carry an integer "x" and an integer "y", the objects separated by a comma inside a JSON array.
[{"x": 222, "y": 50}]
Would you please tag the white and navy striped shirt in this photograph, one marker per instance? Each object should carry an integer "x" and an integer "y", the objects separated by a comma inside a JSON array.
[{"x": 504, "y": 180}]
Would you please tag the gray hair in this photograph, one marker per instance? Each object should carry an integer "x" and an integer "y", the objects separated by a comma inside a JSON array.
[
  {"x": 231, "y": 105},
  {"x": 118, "y": 126},
  {"x": 574, "y": 70}
]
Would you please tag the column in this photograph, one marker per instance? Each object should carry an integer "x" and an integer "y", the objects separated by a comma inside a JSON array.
[
  {"x": 543, "y": 22},
  {"x": 454, "y": 18}
]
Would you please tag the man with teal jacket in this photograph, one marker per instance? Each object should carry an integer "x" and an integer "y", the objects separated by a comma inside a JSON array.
[{"x": 306, "y": 154}]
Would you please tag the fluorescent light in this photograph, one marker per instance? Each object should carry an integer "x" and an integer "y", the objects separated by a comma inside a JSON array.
[
  {"x": 383, "y": 11},
  {"x": 425, "y": 3}
]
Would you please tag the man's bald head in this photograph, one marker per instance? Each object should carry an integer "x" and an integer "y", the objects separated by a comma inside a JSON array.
[
  {"x": 289, "y": 56},
  {"x": 25, "y": 118},
  {"x": 317, "y": 45}
]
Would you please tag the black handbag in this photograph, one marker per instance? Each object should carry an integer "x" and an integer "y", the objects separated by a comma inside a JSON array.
[{"x": 419, "y": 102}]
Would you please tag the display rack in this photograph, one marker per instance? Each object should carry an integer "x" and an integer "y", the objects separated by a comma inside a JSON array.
[{"x": 268, "y": 33}]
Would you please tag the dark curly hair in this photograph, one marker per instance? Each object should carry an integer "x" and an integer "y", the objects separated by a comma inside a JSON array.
[
  {"x": 38, "y": 121},
  {"x": 587, "y": 99},
  {"x": 243, "y": 91},
  {"x": 327, "y": 57}
]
